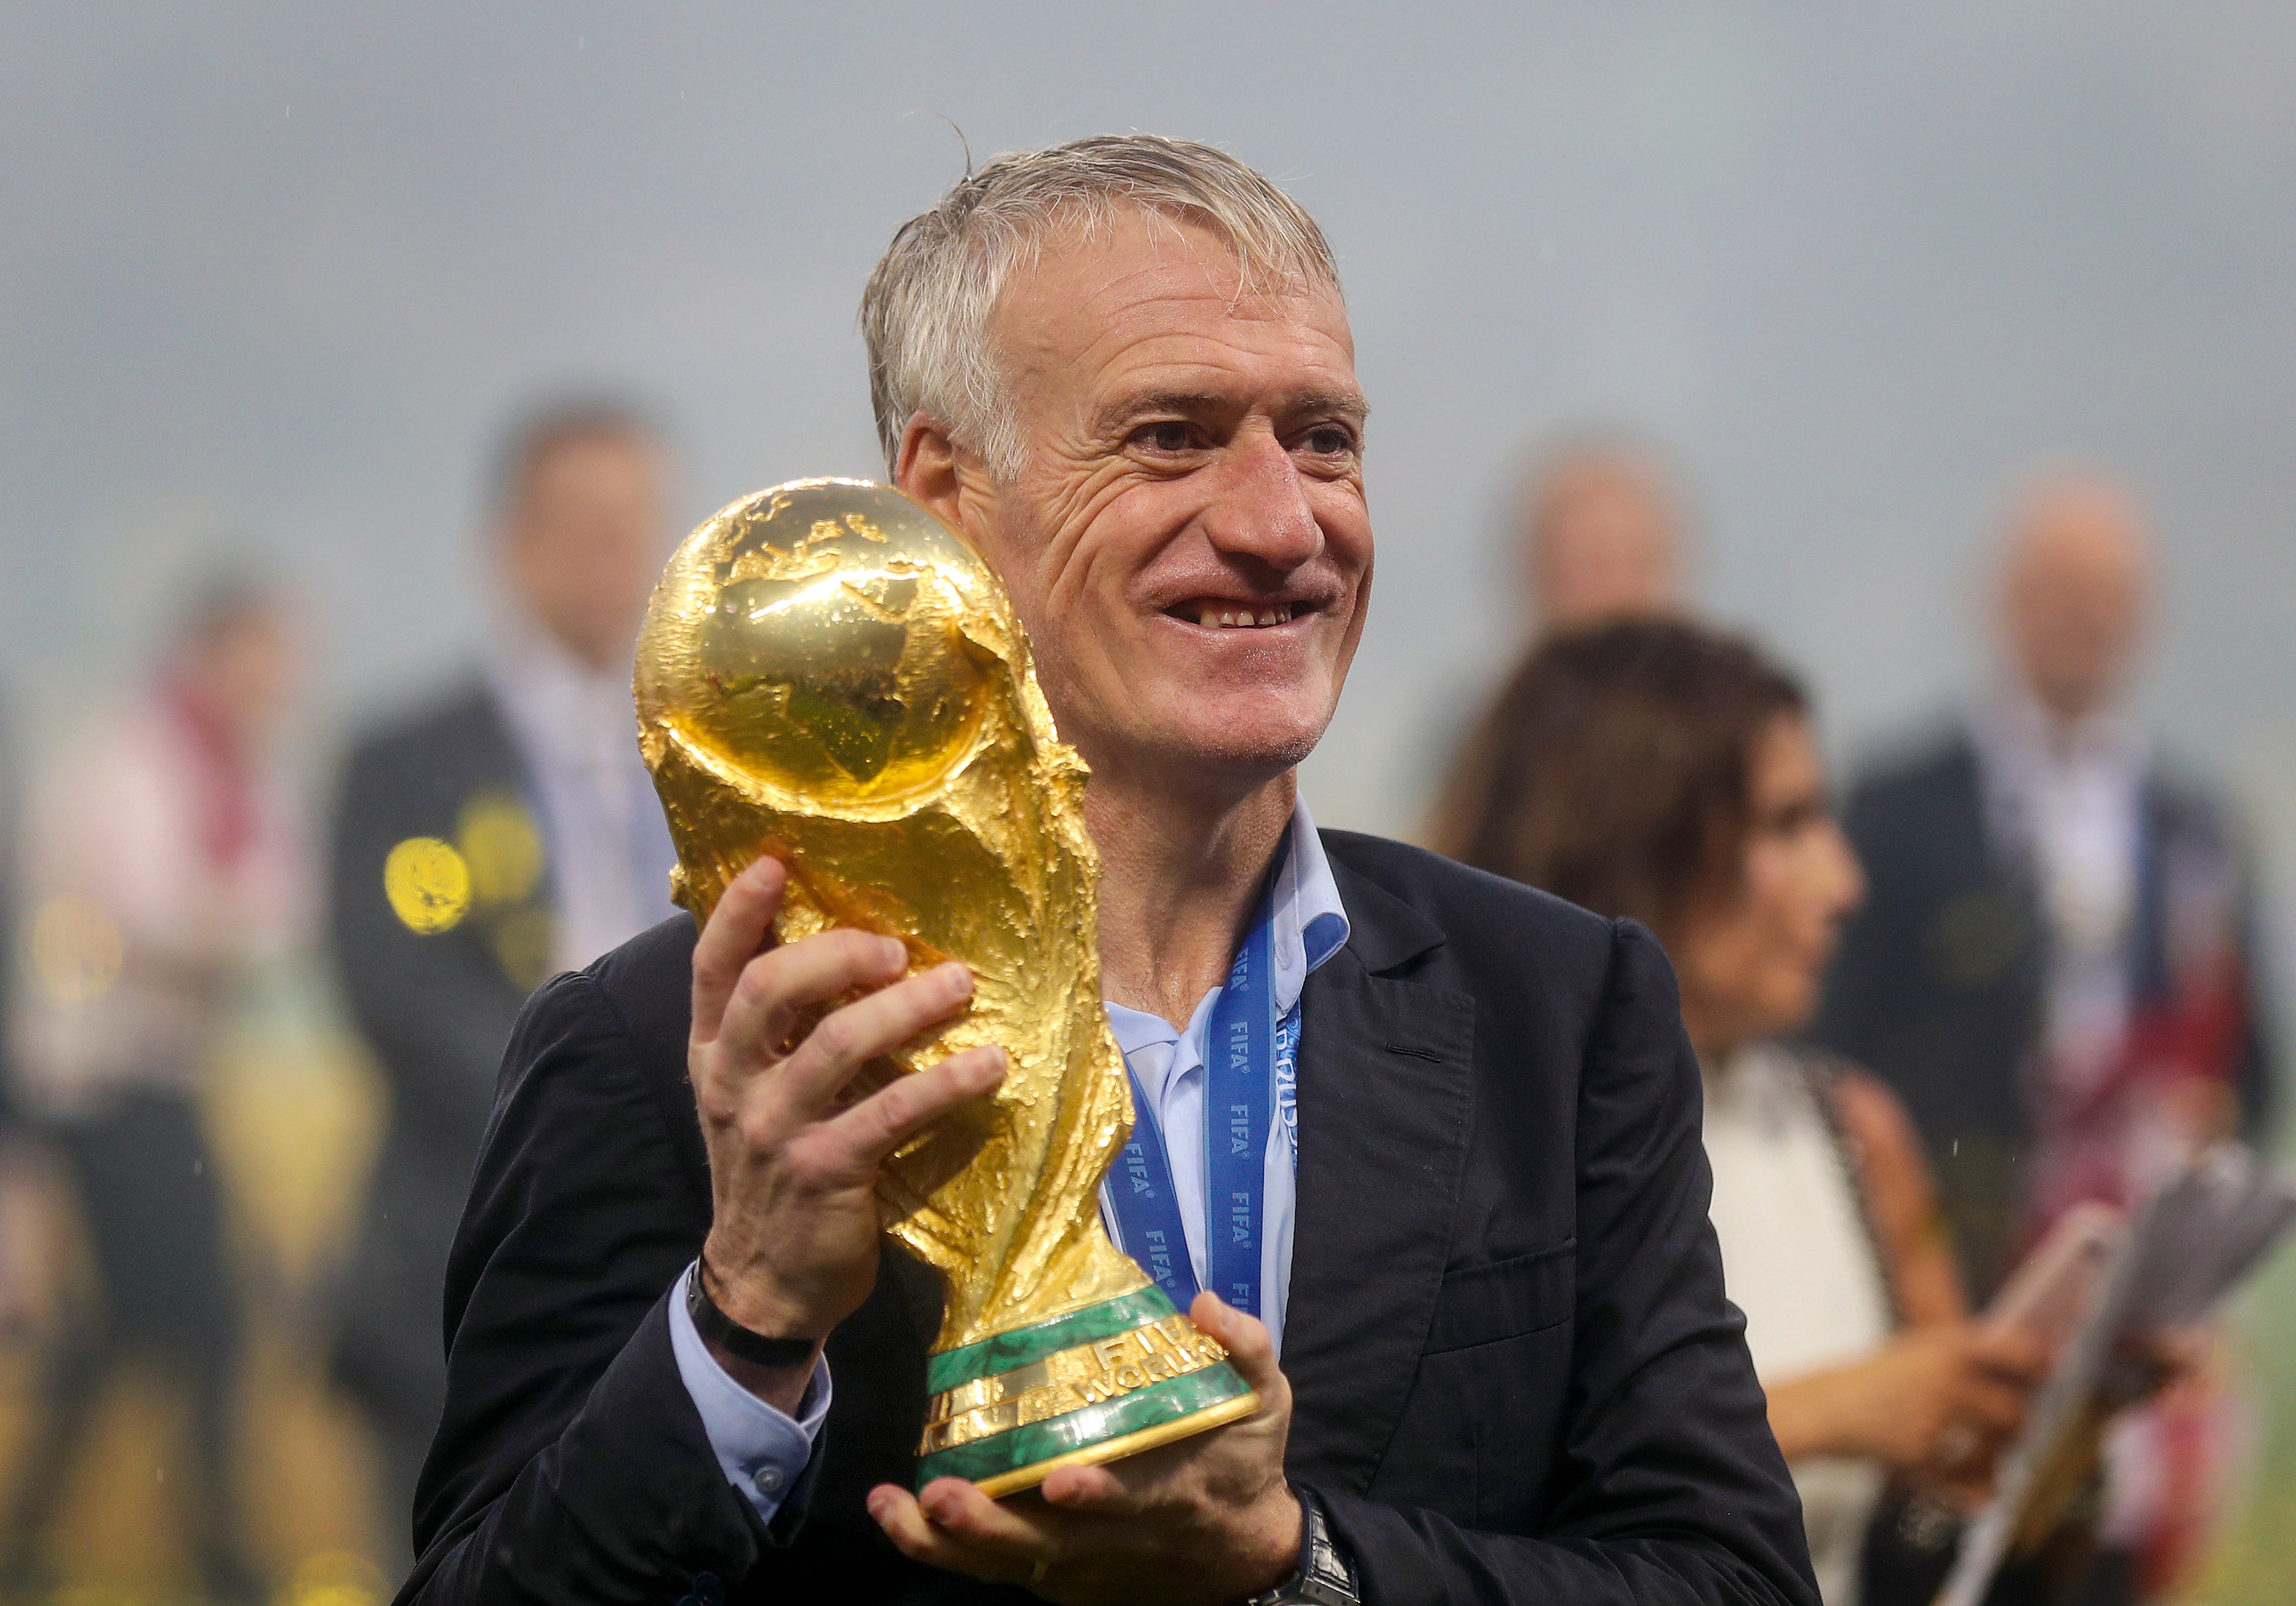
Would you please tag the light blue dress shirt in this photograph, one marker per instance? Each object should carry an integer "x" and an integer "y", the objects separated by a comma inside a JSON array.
[
  {"x": 1310, "y": 927},
  {"x": 761, "y": 1450},
  {"x": 764, "y": 1451}
]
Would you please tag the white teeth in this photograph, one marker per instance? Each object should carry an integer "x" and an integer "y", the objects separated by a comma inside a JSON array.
[{"x": 1230, "y": 619}]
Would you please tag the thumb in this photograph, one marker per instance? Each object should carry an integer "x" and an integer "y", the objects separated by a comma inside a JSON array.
[{"x": 1245, "y": 1338}]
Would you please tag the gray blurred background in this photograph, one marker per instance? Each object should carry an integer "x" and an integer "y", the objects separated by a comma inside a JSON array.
[
  {"x": 278, "y": 271},
  {"x": 274, "y": 274}
]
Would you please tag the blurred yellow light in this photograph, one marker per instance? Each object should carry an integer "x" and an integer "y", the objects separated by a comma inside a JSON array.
[
  {"x": 428, "y": 883},
  {"x": 336, "y": 1578},
  {"x": 76, "y": 949},
  {"x": 502, "y": 848}
]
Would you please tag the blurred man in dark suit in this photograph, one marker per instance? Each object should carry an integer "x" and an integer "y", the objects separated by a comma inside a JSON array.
[
  {"x": 506, "y": 833},
  {"x": 2054, "y": 967}
]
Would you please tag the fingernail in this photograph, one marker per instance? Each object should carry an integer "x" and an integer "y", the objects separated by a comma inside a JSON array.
[
  {"x": 956, "y": 979},
  {"x": 895, "y": 951},
  {"x": 876, "y": 1505}
]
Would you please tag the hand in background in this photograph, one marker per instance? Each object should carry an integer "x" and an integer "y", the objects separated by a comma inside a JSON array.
[{"x": 1938, "y": 1402}]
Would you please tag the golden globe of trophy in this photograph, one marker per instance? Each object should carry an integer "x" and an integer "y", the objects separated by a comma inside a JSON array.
[{"x": 828, "y": 675}]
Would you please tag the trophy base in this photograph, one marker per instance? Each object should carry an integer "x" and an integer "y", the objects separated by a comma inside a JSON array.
[{"x": 1109, "y": 1380}]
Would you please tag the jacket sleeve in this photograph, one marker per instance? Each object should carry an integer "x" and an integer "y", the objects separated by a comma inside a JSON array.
[
  {"x": 1672, "y": 1489},
  {"x": 572, "y": 1464}
]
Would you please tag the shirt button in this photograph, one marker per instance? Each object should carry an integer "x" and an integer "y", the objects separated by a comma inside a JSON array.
[{"x": 768, "y": 1481}]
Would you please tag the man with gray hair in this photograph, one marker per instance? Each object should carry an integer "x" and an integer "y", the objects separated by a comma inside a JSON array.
[{"x": 684, "y": 1364}]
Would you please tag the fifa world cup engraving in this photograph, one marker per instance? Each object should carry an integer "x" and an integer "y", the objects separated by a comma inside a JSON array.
[{"x": 828, "y": 675}]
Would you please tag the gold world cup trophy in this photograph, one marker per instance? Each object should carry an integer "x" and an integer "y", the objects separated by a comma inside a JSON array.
[{"x": 828, "y": 675}]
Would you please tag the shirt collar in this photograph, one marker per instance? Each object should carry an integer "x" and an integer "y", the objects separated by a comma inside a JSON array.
[
  {"x": 564, "y": 713},
  {"x": 2023, "y": 740},
  {"x": 1311, "y": 925}
]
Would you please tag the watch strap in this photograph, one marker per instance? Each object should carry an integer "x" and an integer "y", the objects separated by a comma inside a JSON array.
[
  {"x": 715, "y": 1327},
  {"x": 1326, "y": 1577}
]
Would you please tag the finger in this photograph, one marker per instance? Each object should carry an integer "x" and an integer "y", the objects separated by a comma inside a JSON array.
[
  {"x": 740, "y": 924},
  {"x": 894, "y": 1113},
  {"x": 959, "y": 1510},
  {"x": 1245, "y": 1338},
  {"x": 1995, "y": 1411},
  {"x": 917, "y": 1537},
  {"x": 775, "y": 985},
  {"x": 1094, "y": 1490},
  {"x": 2018, "y": 1356},
  {"x": 875, "y": 1024}
]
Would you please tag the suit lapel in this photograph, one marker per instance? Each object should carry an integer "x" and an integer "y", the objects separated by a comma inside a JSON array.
[{"x": 1386, "y": 1100}]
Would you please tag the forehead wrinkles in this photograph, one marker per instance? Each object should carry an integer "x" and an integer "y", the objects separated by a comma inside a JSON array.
[{"x": 1065, "y": 313}]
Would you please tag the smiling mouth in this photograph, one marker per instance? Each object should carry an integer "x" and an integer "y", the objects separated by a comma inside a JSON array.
[{"x": 1227, "y": 615}]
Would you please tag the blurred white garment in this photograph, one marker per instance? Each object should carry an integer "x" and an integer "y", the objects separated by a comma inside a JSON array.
[
  {"x": 576, "y": 733},
  {"x": 1799, "y": 1259},
  {"x": 158, "y": 892},
  {"x": 2068, "y": 804}
]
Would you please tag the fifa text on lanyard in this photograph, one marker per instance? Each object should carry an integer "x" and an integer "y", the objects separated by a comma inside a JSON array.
[{"x": 1251, "y": 1075}]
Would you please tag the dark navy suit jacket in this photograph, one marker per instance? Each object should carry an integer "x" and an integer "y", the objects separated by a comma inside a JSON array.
[{"x": 1515, "y": 1374}]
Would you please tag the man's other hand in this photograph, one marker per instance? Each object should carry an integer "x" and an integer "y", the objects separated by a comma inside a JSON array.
[
  {"x": 1207, "y": 1520},
  {"x": 793, "y": 1232}
]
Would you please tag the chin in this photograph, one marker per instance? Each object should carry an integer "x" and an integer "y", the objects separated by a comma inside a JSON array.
[
  {"x": 1261, "y": 746},
  {"x": 1791, "y": 1010}
]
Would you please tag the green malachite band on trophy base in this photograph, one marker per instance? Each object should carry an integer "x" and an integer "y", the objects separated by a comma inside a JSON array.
[
  {"x": 1142, "y": 1409},
  {"x": 1005, "y": 1350}
]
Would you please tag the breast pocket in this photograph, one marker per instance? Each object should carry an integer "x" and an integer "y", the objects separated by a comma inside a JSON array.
[
  {"x": 1478, "y": 1444},
  {"x": 1505, "y": 1299}
]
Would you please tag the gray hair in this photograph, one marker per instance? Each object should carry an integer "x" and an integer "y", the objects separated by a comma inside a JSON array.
[{"x": 926, "y": 313}]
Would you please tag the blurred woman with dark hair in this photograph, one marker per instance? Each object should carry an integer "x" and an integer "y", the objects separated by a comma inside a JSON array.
[{"x": 1658, "y": 770}]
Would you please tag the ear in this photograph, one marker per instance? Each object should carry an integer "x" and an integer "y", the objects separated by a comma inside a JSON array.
[{"x": 926, "y": 468}]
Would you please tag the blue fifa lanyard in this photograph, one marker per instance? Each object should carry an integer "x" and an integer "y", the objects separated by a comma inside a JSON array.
[{"x": 1249, "y": 1072}]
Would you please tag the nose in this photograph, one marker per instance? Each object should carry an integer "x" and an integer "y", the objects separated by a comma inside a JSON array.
[{"x": 1259, "y": 508}]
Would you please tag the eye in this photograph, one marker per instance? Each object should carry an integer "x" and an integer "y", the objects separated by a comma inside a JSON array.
[
  {"x": 1164, "y": 434},
  {"x": 1330, "y": 440}
]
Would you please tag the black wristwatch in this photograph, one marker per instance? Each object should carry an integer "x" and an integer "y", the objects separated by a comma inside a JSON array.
[
  {"x": 715, "y": 1327},
  {"x": 1325, "y": 1579}
]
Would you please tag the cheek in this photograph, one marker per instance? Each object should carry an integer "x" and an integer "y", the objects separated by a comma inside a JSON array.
[
  {"x": 1346, "y": 521},
  {"x": 1778, "y": 915},
  {"x": 1095, "y": 536}
]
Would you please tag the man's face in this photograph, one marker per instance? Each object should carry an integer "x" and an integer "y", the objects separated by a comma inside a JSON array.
[
  {"x": 1603, "y": 545},
  {"x": 1187, "y": 538},
  {"x": 586, "y": 543},
  {"x": 247, "y": 671},
  {"x": 2077, "y": 598}
]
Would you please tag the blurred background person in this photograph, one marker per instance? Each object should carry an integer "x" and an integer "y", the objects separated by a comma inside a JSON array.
[
  {"x": 169, "y": 875},
  {"x": 503, "y": 833},
  {"x": 2054, "y": 969},
  {"x": 1654, "y": 769},
  {"x": 1600, "y": 533}
]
